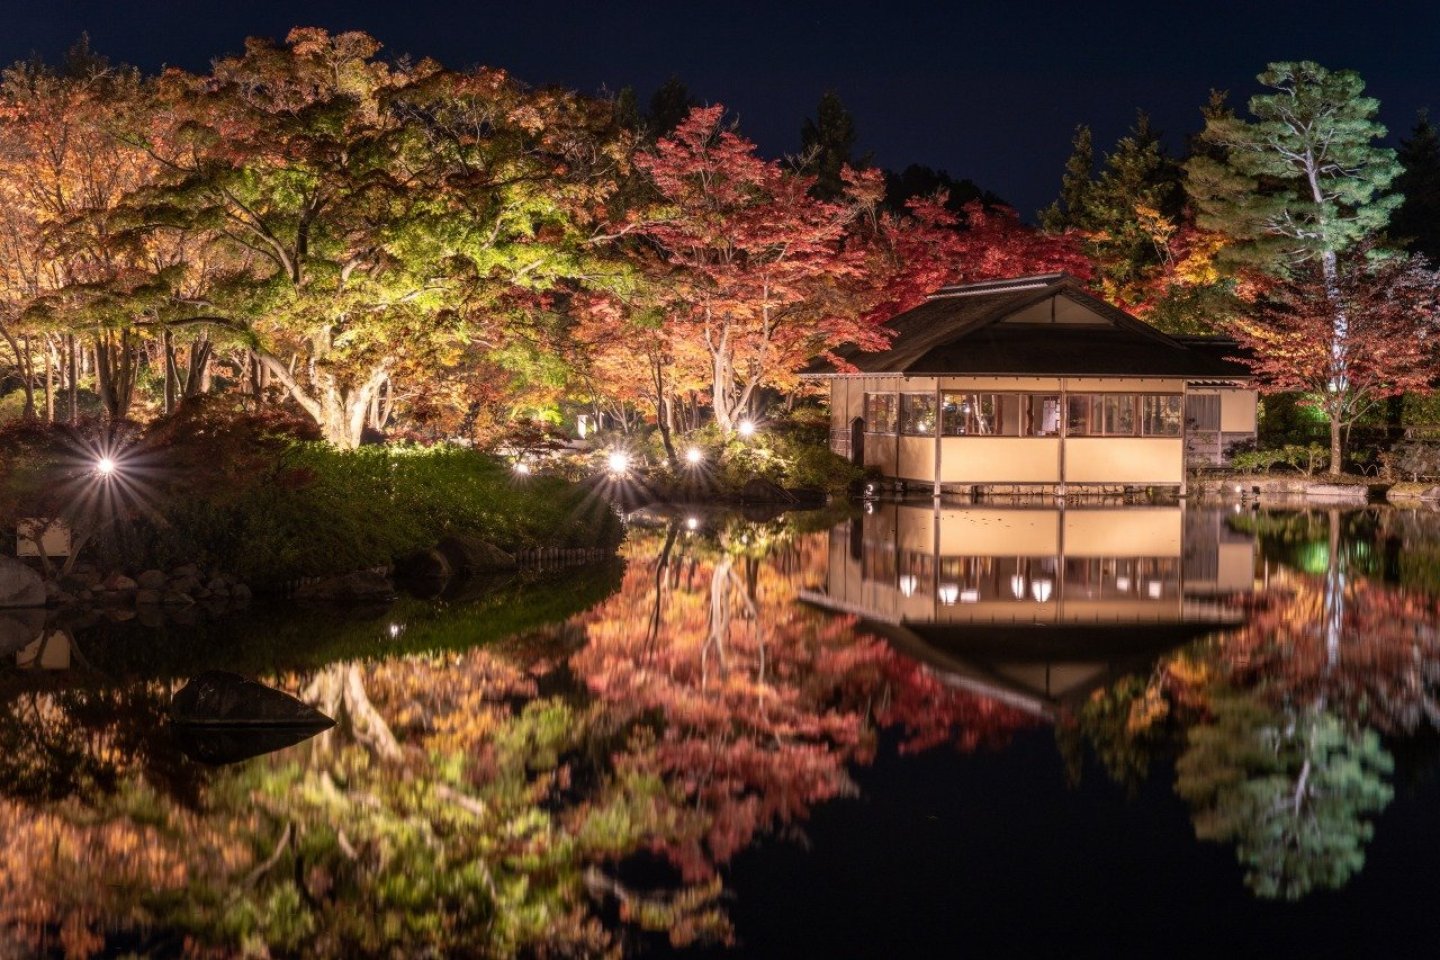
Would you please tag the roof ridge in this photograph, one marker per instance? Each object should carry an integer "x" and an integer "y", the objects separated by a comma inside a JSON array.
[{"x": 1033, "y": 281}]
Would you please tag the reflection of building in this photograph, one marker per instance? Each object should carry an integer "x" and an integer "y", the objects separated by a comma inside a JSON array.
[
  {"x": 1037, "y": 605},
  {"x": 1035, "y": 383}
]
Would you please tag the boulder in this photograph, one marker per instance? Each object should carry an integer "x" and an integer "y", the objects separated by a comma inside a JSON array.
[
  {"x": 471, "y": 555},
  {"x": 151, "y": 580},
  {"x": 117, "y": 583},
  {"x": 228, "y": 699},
  {"x": 18, "y": 628},
  {"x": 240, "y": 593},
  {"x": 147, "y": 597},
  {"x": 176, "y": 598},
  {"x": 186, "y": 570},
  {"x": 359, "y": 585},
  {"x": 218, "y": 587},
  {"x": 19, "y": 585},
  {"x": 423, "y": 565},
  {"x": 184, "y": 584},
  {"x": 760, "y": 490}
]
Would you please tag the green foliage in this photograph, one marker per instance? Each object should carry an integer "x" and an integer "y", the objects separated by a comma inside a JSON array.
[
  {"x": 1292, "y": 790},
  {"x": 1305, "y": 178},
  {"x": 1307, "y": 459}
]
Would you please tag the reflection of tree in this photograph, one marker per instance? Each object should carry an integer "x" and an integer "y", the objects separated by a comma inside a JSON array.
[
  {"x": 1290, "y": 788},
  {"x": 747, "y": 705}
]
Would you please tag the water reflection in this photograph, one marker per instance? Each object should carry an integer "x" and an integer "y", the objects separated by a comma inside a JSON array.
[
  {"x": 576, "y": 778},
  {"x": 1037, "y": 606}
]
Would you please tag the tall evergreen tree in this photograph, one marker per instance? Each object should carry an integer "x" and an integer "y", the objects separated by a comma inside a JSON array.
[
  {"x": 669, "y": 106},
  {"x": 1305, "y": 179},
  {"x": 1070, "y": 210},
  {"x": 1303, "y": 182},
  {"x": 1416, "y": 222},
  {"x": 826, "y": 144},
  {"x": 1138, "y": 188}
]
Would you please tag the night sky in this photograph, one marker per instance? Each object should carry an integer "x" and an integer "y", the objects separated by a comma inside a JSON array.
[{"x": 989, "y": 91}]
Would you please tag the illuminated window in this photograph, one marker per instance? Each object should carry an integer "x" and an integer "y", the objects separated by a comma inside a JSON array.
[
  {"x": 1161, "y": 416},
  {"x": 1000, "y": 415},
  {"x": 917, "y": 414},
  {"x": 880, "y": 412},
  {"x": 1100, "y": 415}
]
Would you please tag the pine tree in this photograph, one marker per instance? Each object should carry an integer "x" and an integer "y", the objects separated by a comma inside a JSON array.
[
  {"x": 1070, "y": 210},
  {"x": 1305, "y": 180},
  {"x": 670, "y": 105},
  {"x": 826, "y": 143},
  {"x": 1416, "y": 223},
  {"x": 1138, "y": 188}
]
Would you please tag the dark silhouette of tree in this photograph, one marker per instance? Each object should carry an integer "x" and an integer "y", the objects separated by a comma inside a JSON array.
[
  {"x": 918, "y": 181},
  {"x": 669, "y": 106},
  {"x": 827, "y": 144},
  {"x": 1071, "y": 209},
  {"x": 1416, "y": 222}
]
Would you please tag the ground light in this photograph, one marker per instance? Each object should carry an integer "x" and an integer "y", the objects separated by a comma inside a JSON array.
[
  {"x": 522, "y": 469},
  {"x": 105, "y": 467},
  {"x": 692, "y": 523},
  {"x": 747, "y": 428},
  {"x": 694, "y": 456},
  {"x": 618, "y": 462}
]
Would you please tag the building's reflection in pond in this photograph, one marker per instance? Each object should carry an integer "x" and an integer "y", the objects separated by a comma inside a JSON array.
[
  {"x": 1037, "y": 606},
  {"x": 590, "y": 777}
]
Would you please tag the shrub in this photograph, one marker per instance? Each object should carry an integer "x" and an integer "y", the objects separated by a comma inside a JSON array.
[{"x": 1307, "y": 459}]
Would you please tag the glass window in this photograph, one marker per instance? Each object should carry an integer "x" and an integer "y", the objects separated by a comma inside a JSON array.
[
  {"x": 1160, "y": 416},
  {"x": 1044, "y": 415},
  {"x": 880, "y": 412},
  {"x": 1114, "y": 415},
  {"x": 1077, "y": 414},
  {"x": 917, "y": 414},
  {"x": 1202, "y": 411},
  {"x": 999, "y": 415}
]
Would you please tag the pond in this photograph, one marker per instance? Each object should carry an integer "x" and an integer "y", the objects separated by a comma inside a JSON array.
[{"x": 1006, "y": 730}]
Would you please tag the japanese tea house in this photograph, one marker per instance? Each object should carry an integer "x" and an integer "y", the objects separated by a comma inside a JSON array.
[{"x": 1034, "y": 384}]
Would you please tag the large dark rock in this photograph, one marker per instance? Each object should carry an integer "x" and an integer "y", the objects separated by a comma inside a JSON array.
[
  {"x": 19, "y": 585},
  {"x": 18, "y": 627},
  {"x": 359, "y": 585},
  {"x": 219, "y": 699},
  {"x": 423, "y": 565},
  {"x": 760, "y": 490},
  {"x": 471, "y": 555}
]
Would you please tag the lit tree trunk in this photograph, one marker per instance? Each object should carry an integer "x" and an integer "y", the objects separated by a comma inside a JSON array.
[
  {"x": 1337, "y": 445},
  {"x": 73, "y": 386}
]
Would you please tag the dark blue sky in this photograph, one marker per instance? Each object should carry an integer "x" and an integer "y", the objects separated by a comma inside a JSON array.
[{"x": 990, "y": 91}]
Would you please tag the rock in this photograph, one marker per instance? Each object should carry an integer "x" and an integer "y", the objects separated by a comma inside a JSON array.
[
  {"x": 185, "y": 584},
  {"x": 471, "y": 555},
  {"x": 117, "y": 583},
  {"x": 218, "y": 586},
  {"x": 760, "y": 490},
  {"x": 147, "y": 597},
  {"x": 240, "y": 593},
  {"x": 19, "y": 585},
  {"x": 120, "y": 614},
  {"x": 176, "y": 598},
  {"x": 359, "y": 585},
  {"x": 18, "y": 627},
  {"x": 185, "y": 570},
  {"x": 423, "y": 565},
  {"x": 228, "y": 699},
  {"x": 200, "y": 593},
  {"x": 152, "y": 579}
]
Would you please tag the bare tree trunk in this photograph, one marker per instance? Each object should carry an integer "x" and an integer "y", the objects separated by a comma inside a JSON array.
[
  {"x": 1337, "y": 445},
  {"x": 167, "y": 349},
  {"x": 50, "y": 364},
  {"x": 74, "y": 385}
]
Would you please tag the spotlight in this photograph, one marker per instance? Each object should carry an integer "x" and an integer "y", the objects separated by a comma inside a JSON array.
[
  {"x": 693, "y": 456},
  {"x": 105, "y": 467},
  {"x": 618, "y": 462},
  {"x": 522, "y": 469},
  {"x": 692, "y": 523},
  {"x": 747, "y": 428}
]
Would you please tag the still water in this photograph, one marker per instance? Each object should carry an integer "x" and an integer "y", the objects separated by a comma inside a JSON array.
[{"x": 977, "y": 731}]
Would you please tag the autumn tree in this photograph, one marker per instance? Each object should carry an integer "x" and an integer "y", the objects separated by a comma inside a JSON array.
[
  {"x": 763, "y": 276},
  {"x": 380, "y": 217},
  {"x": 1346, "y": 370}
]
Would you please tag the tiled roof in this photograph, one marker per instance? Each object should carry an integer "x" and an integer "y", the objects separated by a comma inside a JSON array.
[{"x": 957, "y": 331}]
